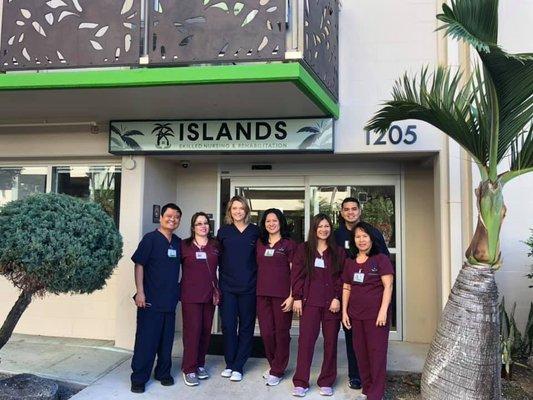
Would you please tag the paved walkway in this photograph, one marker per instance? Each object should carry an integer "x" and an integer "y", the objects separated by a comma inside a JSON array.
[{"x": 106, "y": 370}]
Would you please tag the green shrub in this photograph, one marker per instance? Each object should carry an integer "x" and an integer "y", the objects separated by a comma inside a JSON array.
[{"x": 52, "y": 243}]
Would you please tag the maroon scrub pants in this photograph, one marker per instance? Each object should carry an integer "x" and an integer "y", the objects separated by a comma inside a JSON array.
[
  {"x": 310, "y": 322},
  {"x": 197, "y": 321},
  {"x": 274, "y": 325},
  {"x": 370, "y": 345}
]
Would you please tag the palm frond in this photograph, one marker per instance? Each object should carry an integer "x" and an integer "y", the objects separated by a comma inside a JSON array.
[
  {"x": 475, "y": 22},
  {"x": 440, "y": 100},
  {"x": 115, "y": 130},
  {"x": 116, "y": 142},
  {"x": 522, "y": 151},
  {"x": 133, "y": 132},
  {"x": 512, "y": 75}
]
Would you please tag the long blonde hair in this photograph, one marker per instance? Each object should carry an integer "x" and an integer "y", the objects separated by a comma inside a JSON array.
[{"x": 228, "y": 218}]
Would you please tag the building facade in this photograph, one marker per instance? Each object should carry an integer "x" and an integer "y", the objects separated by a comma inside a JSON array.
[{"x": 263, "y": 98}]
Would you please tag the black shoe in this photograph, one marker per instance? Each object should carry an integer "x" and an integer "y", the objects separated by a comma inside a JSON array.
[
  {"x": 167, "y": 381},
  {"x": 354, "y": 383},
  {"x": 137, "y": 387}
]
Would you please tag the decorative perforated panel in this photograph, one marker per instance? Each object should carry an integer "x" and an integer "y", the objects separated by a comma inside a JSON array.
[
  {"x": 321, "y": 38},
  {"x": 69, "y": 33},
  {"x": 216, "y": 31}
]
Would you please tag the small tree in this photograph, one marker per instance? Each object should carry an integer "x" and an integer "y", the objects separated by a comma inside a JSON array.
[
  {"x": 491, "y": 117},
  {"x": 52, "y": 243}
]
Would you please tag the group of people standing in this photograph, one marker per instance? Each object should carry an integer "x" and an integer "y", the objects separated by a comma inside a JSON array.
[{"x": 342, "y": 277}]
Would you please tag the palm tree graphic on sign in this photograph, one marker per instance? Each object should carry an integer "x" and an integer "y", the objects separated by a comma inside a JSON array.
[
  {"x": 126, "y": 139},
  {"x": 318, "y": 135},
  {"x": 163, "y": 132}
]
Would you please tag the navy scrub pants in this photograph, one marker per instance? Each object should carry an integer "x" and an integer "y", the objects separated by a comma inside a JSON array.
[
  {"x": 154, "y": 336},
  {"x": 238, "y": 322}
]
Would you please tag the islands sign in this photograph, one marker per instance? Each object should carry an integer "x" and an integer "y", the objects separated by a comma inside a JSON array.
[{"x": 254, "y": 135}]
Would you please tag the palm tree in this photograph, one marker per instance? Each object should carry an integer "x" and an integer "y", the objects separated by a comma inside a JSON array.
[{"x": 488, "y": 116}]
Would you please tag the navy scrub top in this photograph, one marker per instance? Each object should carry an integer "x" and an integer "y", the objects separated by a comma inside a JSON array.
[
  {"x": 237, "y": 263},
  {"x": 342, "y": 235},
  {"x": 161, "y": 271}
]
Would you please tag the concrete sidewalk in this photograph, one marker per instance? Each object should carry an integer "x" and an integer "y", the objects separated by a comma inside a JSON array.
[{"x": 106, "y": 370}]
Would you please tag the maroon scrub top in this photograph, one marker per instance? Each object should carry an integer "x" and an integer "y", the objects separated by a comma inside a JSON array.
[
  {"x": 198, "y": 278},
  {"x": 365, "y": 298},
  {"x": 322, "y": 286},
  {"x": 274, "y": 272}
]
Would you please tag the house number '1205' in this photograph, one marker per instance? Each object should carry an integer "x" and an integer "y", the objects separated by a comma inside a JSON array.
[{"x": 395, "y": 135}]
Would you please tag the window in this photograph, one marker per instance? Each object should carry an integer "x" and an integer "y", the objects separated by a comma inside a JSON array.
[
  {"x": 16, "y": 183},
  {"x": 377, "y": 202},
  {"x": 100, "y": 184}
]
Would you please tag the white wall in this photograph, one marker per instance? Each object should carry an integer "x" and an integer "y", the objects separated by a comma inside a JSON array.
[
  {"x": 515, "y": 33},
  {"x": 379, "y": 41},
  {"x": 197, "y": 191}
]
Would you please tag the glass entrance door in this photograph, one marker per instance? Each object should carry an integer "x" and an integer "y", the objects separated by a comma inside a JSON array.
[
  {"x": 301, "y": 198},
  {"x": 289, "y": 199}
]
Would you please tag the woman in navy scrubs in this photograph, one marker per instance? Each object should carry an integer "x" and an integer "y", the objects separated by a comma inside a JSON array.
[
  {"x": 238, "y": 278},
  {"x": 274, "y": 300},
  {"x": 199, "y": 255},
  {"x": 316, "y": 288},
  {"x": 367, "y": 294}
]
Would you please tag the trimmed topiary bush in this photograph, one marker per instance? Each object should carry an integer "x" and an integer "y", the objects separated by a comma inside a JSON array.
[{"x": 53, "y": 243}]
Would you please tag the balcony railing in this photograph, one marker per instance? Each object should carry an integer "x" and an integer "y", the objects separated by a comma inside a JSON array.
[{"x": 52, "y": 34}]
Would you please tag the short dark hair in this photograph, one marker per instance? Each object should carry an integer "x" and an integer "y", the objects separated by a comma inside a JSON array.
[
  {"x": 369, "y": 230},
  {"x": 172, "y": 206},
  {"x": 350, "y": 200},
  {"x": 283, "y": 226}
]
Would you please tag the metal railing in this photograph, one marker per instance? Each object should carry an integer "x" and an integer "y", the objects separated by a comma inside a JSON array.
[{"x": 54, "y": 34}]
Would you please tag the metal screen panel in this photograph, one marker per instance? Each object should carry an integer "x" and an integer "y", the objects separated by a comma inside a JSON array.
[
  {"x": 321, "y": 35},
  {"x": 213, "y": 31},
  {"x": 69, "y": 33}
]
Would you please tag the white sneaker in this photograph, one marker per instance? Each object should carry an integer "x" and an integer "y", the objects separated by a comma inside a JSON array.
[
  {"x": 273, "y": 380},
  {"x": 361, "y": 397},
  {"x": 235, "y": 376},
  {"x": 226, "y": 373}
]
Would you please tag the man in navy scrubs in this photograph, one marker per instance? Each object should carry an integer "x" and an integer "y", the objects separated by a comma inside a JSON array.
[
  {"x": 351, "y": 215},
  {"x": 157, "y": 271}
]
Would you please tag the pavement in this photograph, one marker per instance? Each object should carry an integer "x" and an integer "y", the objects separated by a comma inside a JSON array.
[{"x": 105, "y": 370}]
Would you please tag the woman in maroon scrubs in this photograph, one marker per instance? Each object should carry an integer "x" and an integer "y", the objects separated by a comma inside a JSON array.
[
  {"x": 199, "y": 264},
  {"x": 274, "y": 301},
  {"x": 316, "y": 288},
  {"x": 367, "y": 294}
]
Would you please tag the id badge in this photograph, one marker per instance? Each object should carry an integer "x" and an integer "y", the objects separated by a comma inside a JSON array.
[
  {"x": 347, "y": 244},
  {"x": 172, "y": 253},
  {"x": 269, "y": 252},
  {"x": 201, "y": 255},
  {"x": 319, "y": 263},
  {"x": 359, "y": 277}
]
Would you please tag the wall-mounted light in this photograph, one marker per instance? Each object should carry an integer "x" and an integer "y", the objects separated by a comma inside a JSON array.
[{"x": 129, "y": 163}]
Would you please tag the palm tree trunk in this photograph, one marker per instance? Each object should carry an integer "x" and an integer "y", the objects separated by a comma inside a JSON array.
[
  {"x": 464, "y": 359},
  {"x": 14, "y": 315}
]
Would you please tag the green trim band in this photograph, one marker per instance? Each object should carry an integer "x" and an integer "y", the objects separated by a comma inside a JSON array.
[{"x": 161, "y": 76}]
